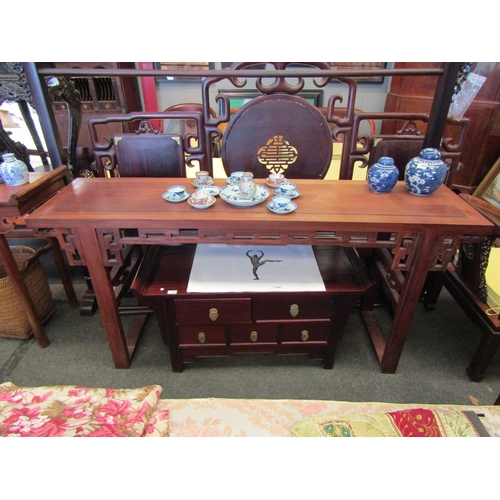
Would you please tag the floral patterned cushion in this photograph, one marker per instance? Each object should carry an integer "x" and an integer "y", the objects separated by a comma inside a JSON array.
[
  {"x": 414, "y": 422},
  {"x": 80, "y": 411}
]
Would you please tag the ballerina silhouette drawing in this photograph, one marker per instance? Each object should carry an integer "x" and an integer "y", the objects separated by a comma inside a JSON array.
[{"x": 256, "y": 262}]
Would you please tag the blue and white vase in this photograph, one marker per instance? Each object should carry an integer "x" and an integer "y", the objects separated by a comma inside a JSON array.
[
  {"x": 425, "y": 173},
  {"x": 14, "y": 172},
  {"x": 383, "y": 175}
]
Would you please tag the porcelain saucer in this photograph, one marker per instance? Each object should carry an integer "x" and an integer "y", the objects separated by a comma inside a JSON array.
[
  {"x": 289, "y": 208},
  {"x": 195, "y": 183},
  {"x": 274, "y": 185},
  {"x": 295, "y": 193},
  {"x": 211, "y": 201},
  {"x": 166, "y": 196},
  {"x": 212, "y": 190}
]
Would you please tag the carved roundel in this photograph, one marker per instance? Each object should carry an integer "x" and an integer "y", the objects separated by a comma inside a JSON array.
[{"x": 278, "y": 133}]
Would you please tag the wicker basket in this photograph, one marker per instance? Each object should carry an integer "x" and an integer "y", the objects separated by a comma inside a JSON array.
[{"x": 13, "y": 320}]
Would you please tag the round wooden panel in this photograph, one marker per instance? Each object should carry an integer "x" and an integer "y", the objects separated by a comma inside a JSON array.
[{"x": 278, "y": 133}]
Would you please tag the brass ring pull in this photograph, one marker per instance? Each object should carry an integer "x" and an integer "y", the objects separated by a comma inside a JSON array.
[
  {"x": 294, "y": 310},
  {"x": 202, "y": 337},
  {"x": 254, "y": 336},
  {"x": 304, "y": 335},
  {"x": 213, "y": 314}
]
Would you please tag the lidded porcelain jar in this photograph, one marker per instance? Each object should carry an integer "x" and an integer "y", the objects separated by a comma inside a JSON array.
[
  {"x": 425, "y": 173},
  {"x": 383, "y": 175},
  {"x": 14, "y": 172}
]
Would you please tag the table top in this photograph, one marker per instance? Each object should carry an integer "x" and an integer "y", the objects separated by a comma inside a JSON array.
[
  {"x": 343, "y": 204},
  {"x": 18, "y": 200}
]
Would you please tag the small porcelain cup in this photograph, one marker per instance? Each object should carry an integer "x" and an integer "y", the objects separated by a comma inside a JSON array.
[
  {"x": 281, "y": 202},
  {"x": 176, "y": 192},
  {"x": 235, "y": 177},
  {"x": 286, "y": 189},
  {"x": 202, "y": 177},
  {"x": 200, "y": 198},
  {"x": 275, "y": 179}
]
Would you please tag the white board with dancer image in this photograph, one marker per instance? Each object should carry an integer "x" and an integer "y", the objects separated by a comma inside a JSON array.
[{"x": 245, "y": 268}]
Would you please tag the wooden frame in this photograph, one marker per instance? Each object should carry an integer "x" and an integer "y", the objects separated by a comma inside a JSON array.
[
  {"x": 182, "y": 66},
  {"x": 489, "y": 188},
  {"x": 340, "y": 66}
]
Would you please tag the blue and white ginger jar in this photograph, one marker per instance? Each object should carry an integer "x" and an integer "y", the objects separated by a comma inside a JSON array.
[
  {"x": 383, "y": 175},
  {"x": 14, "y": 172},
  {"x": 425, "y": 173}
]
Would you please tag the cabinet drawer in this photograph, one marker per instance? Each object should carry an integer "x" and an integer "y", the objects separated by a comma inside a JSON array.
[
  {"x": 253, "y": 334},
  {"x": 294, "y": 306},
  {"x": 213, "y": 311},
  {"x": 311, "y": 331},
  {"x": 201, "y": 335}
]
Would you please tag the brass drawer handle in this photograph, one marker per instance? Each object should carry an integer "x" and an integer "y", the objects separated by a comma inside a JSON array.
[
  {"x": 202, "y": 337},
  {"x": 213, "y": 314},
  {"x": 254, "y": 336},
  {"x": 294, "y": 310},
  {"x": 304, "y": 335}
]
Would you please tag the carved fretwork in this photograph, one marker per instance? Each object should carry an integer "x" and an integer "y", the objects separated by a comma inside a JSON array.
[
  {"x": 403, "y": 252},
  {"x": 445, "y": 252},
  {"x": 409, "y": 128},
  {"x": 111, "y": 247},
  {"x": 277, "y": 155},
  {"x": 68, "y": 244}
]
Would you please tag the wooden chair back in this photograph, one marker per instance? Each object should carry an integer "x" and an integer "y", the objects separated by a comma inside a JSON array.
[
  {"x": 143, "y": 150},
  {"x": 149, "y": 155},
  {"x": 278, "y": 133}
]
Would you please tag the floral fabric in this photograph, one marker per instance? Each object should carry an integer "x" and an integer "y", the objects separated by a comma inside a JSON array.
[
  {"x": 80, "y": 411},
  {"x": 415, "y": 422},
  {"x": 221, "y": 417}
]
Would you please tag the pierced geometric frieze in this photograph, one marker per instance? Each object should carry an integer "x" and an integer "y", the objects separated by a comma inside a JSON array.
[
  {"x": 403, "y": 251},
  {"x": 67, "y": 243},
  {"x": 277, "y": 155},
  {"x": 111, "y": 247},
  {"x": 445, "y": 252}
]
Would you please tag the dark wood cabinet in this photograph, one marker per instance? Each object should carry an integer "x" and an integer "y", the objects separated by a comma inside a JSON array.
[
  {"x": 221, "y": 324},
  {"x": 100, "y": 96},
  {"x": 482, "y": 144}
]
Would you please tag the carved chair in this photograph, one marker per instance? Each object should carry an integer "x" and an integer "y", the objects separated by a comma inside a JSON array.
[{"x": 143, "y": 151}]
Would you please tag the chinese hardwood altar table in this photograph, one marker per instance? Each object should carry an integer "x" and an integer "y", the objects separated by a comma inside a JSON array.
[{"x": 96, "y": 220}]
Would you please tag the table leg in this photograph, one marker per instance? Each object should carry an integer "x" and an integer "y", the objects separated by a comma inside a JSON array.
[
  {"x": 425, "y": 255},
  {"x": 22, "y": 292},
  {"x": 89, "y": 245}
]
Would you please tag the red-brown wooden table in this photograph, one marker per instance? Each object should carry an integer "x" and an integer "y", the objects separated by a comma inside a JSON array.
[
  {"x": 15, "y": 203},
  {"x": 95, "y": 219}
]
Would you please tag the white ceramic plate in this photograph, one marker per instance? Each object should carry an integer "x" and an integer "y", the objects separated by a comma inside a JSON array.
[
  {"x": 211, "y": 201},
  {"x": 289, "y": 208},
  {"x": 211, "y": 190},
  {"x": 167, "y": 197},
  {"x": 295, "y": 193},
  {"x": 231, "y": 195}
]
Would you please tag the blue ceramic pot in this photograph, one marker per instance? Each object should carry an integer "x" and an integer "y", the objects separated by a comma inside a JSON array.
[
  {"x": 383, "y": 175},
  {"x": 425, "y": 173}
]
